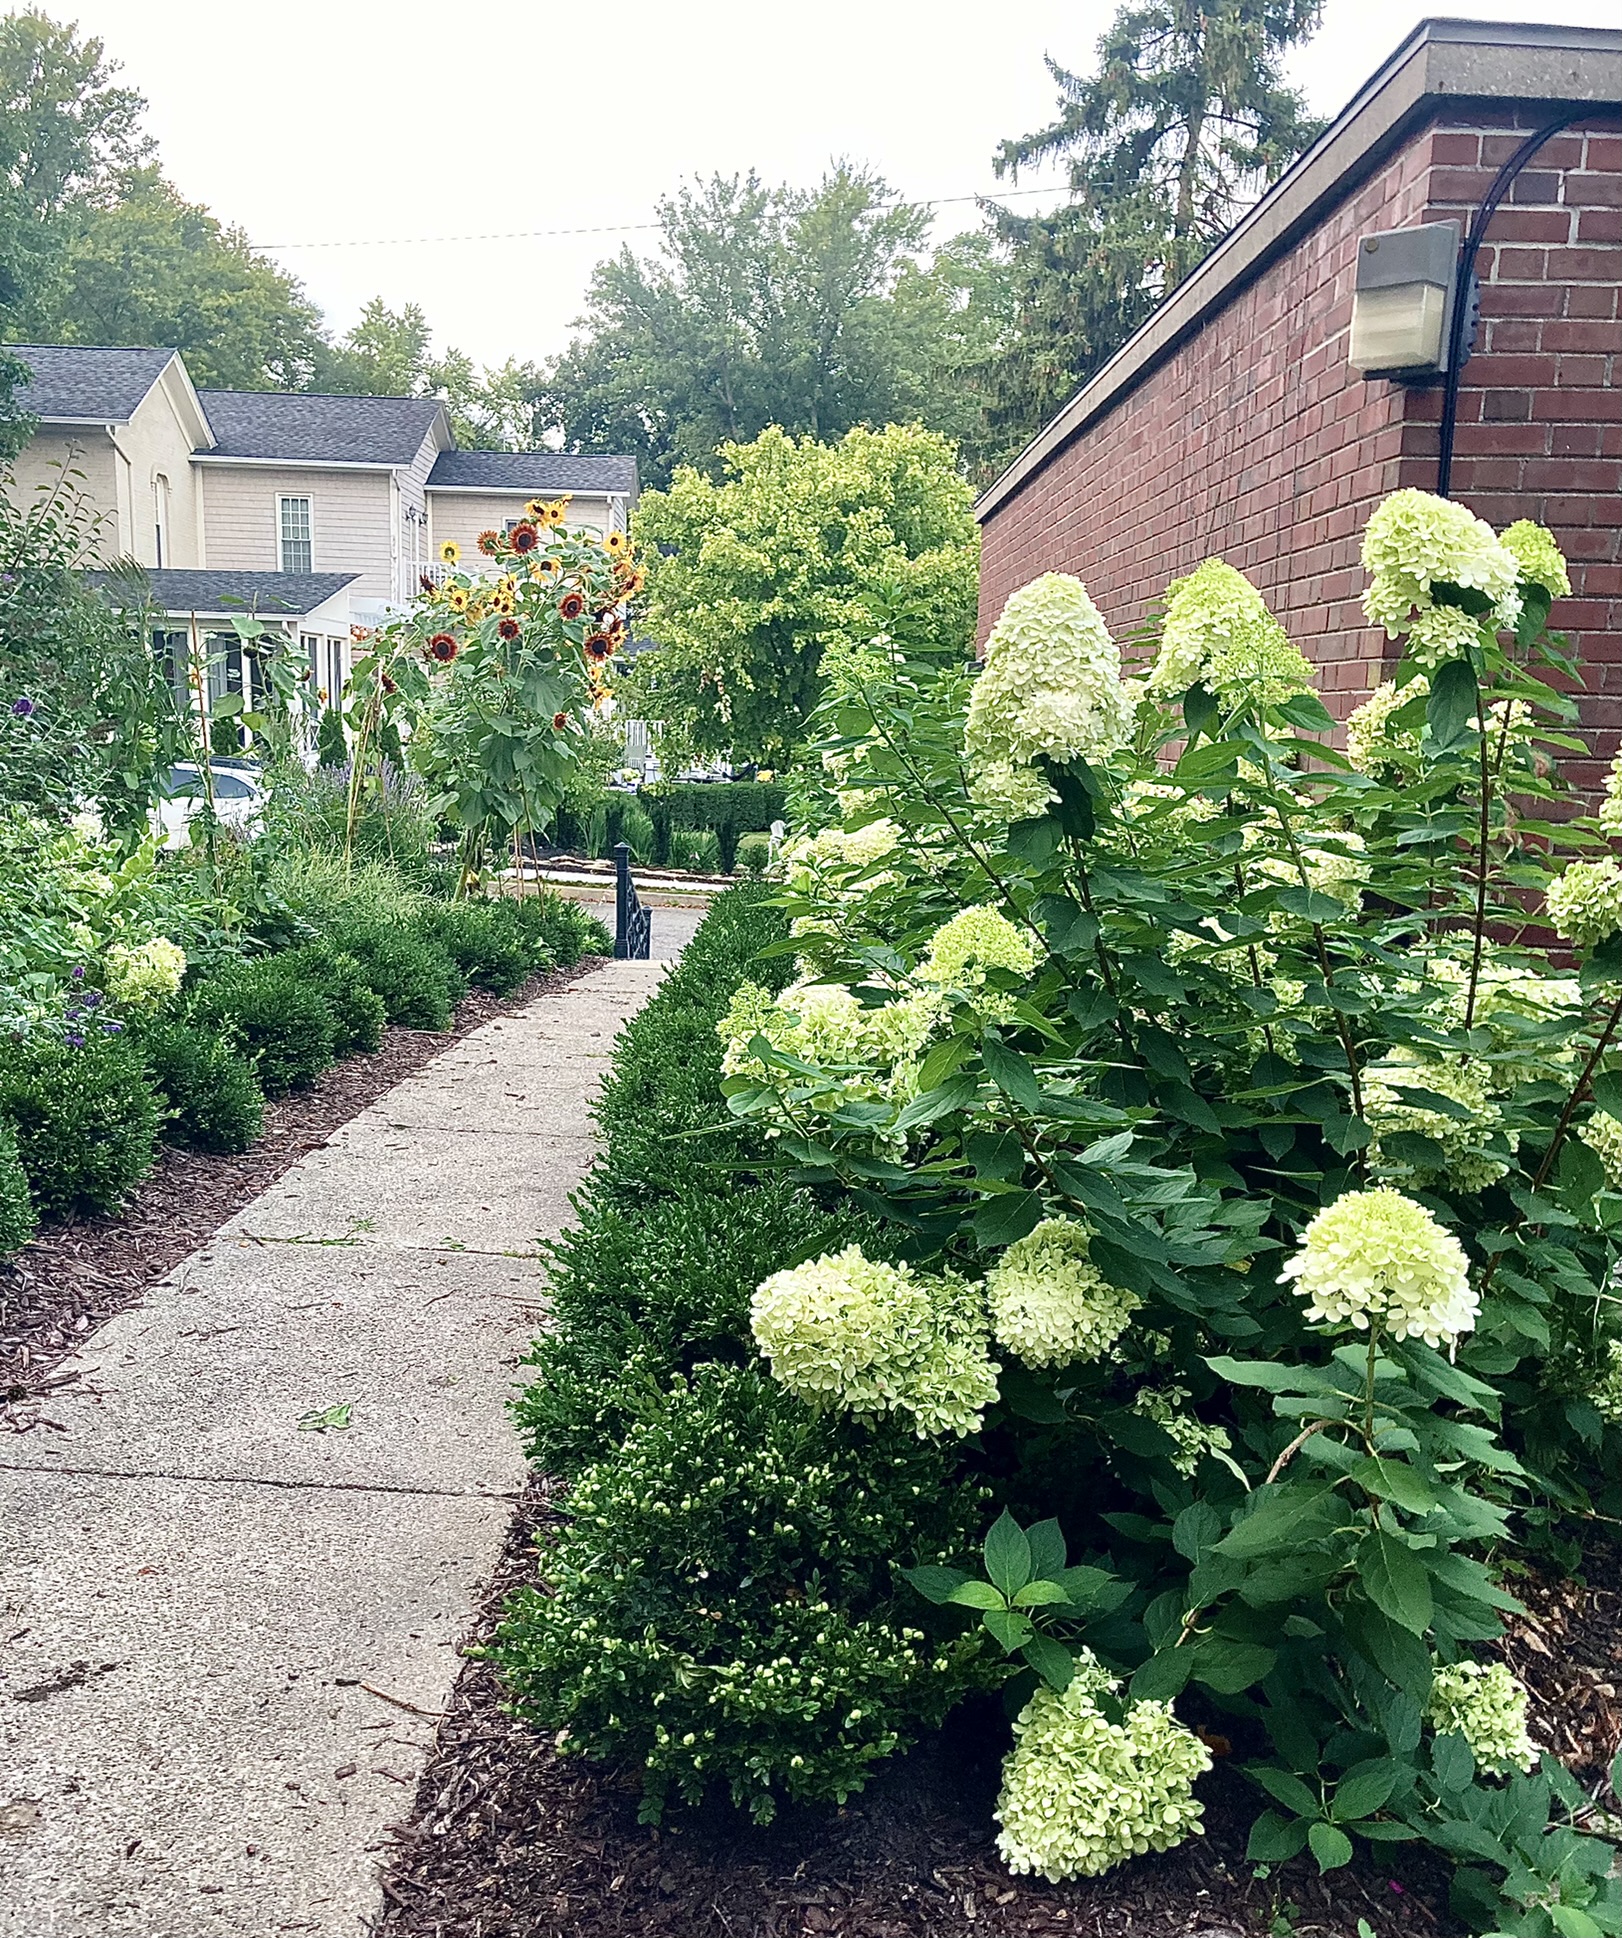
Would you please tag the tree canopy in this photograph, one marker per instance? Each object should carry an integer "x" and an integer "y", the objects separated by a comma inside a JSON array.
[
  {"x": 805, "y": 309},
  {"x": 801, "y": 546}
]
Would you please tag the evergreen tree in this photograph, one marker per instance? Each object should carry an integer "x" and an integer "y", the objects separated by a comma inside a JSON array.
[{"x": 1183, "y": 127}]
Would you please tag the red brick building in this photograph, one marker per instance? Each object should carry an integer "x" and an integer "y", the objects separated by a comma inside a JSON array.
[{"x": 1233, "y": 424}]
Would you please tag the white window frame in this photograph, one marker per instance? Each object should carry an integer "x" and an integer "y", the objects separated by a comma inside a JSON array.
[{"x": 283, "y": 500}]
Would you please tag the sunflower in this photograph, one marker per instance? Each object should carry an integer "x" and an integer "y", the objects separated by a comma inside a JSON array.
[
  {"x": 555, "y": 510},
  {"x": 443, "y": 647},
  {"x": 547, "y": 568},
  {"x": 456, "y": 599},
  {"x": 523, "y": 537},
  {"x": 560, "y": 721},
  {"x": 536, "y": 510},
  {"x": 508, "y": 628},
  {"x": 506, "y": 585},
  {"x": 571, "y": 605},
  {"x": 390, "y": 685},
  {"x": 629, "y": 579},
  {"x": 616, "y": 542},
  {"x": 450, "y": 552},
  {"x": 425, "y": 580},
  {"x": 490, "y": 544},
  {"x": 598, "y": 647}
]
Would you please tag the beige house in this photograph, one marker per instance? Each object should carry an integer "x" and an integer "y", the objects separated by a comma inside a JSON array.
[{"x": 320, "y": 512}]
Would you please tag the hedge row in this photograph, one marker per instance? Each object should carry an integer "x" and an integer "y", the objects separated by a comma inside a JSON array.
[{"x": 683, "y": 825}]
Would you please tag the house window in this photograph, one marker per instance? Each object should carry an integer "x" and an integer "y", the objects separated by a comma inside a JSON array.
[
  {"x": 160, "y": 521},
  {"x": 293, "y": 516}
]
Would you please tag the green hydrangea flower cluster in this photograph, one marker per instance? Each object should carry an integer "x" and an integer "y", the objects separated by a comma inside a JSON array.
[
  {"x": 972, "y": 942},
  {"x": 1415, "y": 541},
  {"x": 1467, "y": 1161},
  {"x": 1166, "y": 1405},
  {"x": 1050, "y": 1303},
  {"x": 1538, "y": 556},
  {"x": 1050, "y": 687},
  {"x": 1585, "y": 902},
  {"x": 1606, "y": 1392},
  {"x": 826, "y": 1025},
  {"x": 1081, "y": 1793},
  {"x": 1603, "y": 1136},
  {"x": 1484, "y": 1704},
  {"x": 1510, "y": 999},
  {"x": 140, "y": 975},
  {"x": 1373, "y": 745},
  {"x": 846, "y": 1331},
  {"x": 1376, "y": 1257},
  {"x": 1333, "y": 860},
  {"x": 1218, "y": 632},
  {"x": 1610, "y": 808}
]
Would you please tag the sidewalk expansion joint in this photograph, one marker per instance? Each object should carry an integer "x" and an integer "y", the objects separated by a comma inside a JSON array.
[{"x": 259, "y": 1480}]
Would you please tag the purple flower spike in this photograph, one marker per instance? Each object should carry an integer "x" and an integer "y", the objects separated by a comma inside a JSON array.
[
  {"x": 78, "y": 974},
  {"x": 112, "y": 1029},
  {"x": 73, "y": 1012},
  {"x": 93, "y": 999},
  {"x": 74, "y": 1039},
  {"x": 22, "y": 706}
]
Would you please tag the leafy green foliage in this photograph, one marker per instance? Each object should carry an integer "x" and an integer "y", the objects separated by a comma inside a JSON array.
[
  {"x": 210, "y": 1094},
  {"x": 754, "y": 851},
  {"x": 285, "y": 1026},
  {"x": 696, "y": 849},
  {"x": 723, "y": 1605},
  {"x": 18, "y": 1218},
  {"x": 358, "y": 1012},
  {"x": 731, "y": 808},
  {"x": 84, "y": 1117},
  {"x": 419, "y": 983},
  {"x": 752, "y": 579},
  {"x": 486, "y": 940}
]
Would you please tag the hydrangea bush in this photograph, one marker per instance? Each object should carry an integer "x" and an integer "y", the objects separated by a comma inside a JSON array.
[{"x": 1269, "y": 1145}]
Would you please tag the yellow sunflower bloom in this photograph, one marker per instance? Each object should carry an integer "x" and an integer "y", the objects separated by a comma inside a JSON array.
[
  {"x": 450, "y": 552},
  {"x": 537, "y": 508},
  {"x": 615, "y": 542},
  {"x": 456, "y": 599}
]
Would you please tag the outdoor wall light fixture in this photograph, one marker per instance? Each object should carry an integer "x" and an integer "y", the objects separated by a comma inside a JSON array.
[{"x": 1402, "y": 302}]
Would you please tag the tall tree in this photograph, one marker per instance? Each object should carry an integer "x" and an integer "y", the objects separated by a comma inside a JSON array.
[
  {"x": 1184, "y": 126},
  {"x": 799, "y": 308}
]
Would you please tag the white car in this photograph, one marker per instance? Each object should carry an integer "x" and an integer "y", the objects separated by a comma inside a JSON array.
[{"x": 239, "y": 798}]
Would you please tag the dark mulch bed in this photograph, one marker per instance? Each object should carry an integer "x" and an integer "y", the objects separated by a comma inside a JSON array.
[
  {"x": 510, "y": 1840},
  {"x": 74, "y": 1277}
]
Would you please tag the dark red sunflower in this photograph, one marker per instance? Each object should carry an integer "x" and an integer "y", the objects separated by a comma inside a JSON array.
[
  {"x": 571, "y": 605},
  {"x": 523, "y": 537},
  {"x": 443, "y": 647},
  {"x": 598, "y": 647},
  {"x": 390, "y": 685},
  {"x": 490, "y": 543},
  {"x": 508, "y": 628},
  {"x": 425, "y": 582},
  {"x": 560, "y": 721}
]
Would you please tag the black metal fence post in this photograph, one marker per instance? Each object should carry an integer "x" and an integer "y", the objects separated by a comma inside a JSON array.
[{"x": 633, "y": 924}]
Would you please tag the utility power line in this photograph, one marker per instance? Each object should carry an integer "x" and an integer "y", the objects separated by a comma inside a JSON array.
[{"x": 608, "y": 228}]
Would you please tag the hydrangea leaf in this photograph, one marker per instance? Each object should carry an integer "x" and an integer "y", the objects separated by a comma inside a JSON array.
[{"x": 1396, "y": 1580}]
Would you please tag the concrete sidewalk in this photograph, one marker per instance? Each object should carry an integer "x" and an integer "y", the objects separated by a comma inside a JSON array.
[{"x": 234, "y": 1573}]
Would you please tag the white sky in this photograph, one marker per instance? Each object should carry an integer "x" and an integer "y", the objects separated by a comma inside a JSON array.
[{"x": 335, "y": 121}]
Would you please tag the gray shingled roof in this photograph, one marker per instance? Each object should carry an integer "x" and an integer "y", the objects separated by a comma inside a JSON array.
[
  {"x": 530, "y": 471},
  {"x": 270, "y": 593},
  {"x": 78, "y": 380},
  {"x": 301, "y": 427}
]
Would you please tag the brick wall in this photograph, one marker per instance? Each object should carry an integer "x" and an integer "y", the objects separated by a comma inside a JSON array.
[{"x": 1257, "y": 441}]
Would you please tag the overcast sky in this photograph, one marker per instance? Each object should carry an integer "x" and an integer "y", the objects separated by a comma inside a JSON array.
[{"x": 348, "y": 121}]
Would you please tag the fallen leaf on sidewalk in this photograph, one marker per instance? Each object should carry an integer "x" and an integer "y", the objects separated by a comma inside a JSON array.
[{"x": 332, "y": 1419}]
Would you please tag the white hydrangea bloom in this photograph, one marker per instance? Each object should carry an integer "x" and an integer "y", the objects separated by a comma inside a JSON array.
[
  {"x": 1333, "y": 860},
  {"x": 1192, "y": 1437},
  {"x": 1219, "y": 632},
  {"x": 1373, "y": 745},
  {"x": 1081, "y": 1793},
  {"x": 1166, "y": 805},
  {"x": 1387, "y": 1108},
  {"x": 1585, "y": 902},
  {"x": 1607, "y": 1389},
  {"x": 1049, "y": 1301},
  {"x": 1050, "y": 687},
  {"x": 872, "y": 1338},
  {"x": 1483, "y": 1703},
  {"x": 1603, "y": 1136},
  {"x": 1376, "y": 1257},
  {"x": 1415, "y": 541},
  {"x": 142, "y": 974},
  {"x": 1610, "y": 808},
  {"x": 961, "y": 951},
  {"x": 1540, "y": 559}
]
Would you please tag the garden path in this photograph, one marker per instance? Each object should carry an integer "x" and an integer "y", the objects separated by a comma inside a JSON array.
[{"x": 235, "y": 1569}]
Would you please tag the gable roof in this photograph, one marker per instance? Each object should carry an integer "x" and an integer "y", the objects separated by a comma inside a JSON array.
[
  {"x": 304, "y": 427},
  {"x": 86, "y": 383},
  {"x": 539, "y": 471},
  {"x": 271, "y": 593}
]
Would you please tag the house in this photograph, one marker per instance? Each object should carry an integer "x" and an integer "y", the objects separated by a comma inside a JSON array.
[
  {"x": 315, "y": 513},
  {"x": 1234, "y": 422}
]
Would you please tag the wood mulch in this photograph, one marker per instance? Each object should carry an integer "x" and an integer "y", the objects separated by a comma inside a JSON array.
[
  {"x": 72, "y": 1278},
  {"x": 508, "y": 1839}
]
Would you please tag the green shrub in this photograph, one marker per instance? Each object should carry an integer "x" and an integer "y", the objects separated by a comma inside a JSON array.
[
  {"x": 314, "y": 885},
  {"x": 358, "y": 1014},
  {"x": 753, "y": 853},
  {"x": 419, "y": 983},
  {"x": 18, "y": 1218},
  {"x": 394, "y": 824},
  {"x": 641, "y": 1292},
  {"x": 331, "y": 743},
  {"x": 285, "y": 1026},
  {"x": 207, "y": 1087},
  {"x": 724, "y": 1600},
  {"x": 696, "y": 848},
  {"x": 488, "y": 944},
  {"x": 730, "y": 808},
  {"x": 85, "y": 1119},
  {"x": 563, "y": 930}
]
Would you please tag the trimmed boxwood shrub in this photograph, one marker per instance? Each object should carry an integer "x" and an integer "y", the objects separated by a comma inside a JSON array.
[
  {"x": 754, "y": 852},
  {"x": 285, "y": 1026},
  {"x": 208, "y": 1088},
  {"x": 419, "y": 983},
  {"x": 18, "y": 1218},
  {"x": 724, "y": 1602},
  {"x": 562, "y": 929},
  {"x": 730, "y": 808},
  {"x": 85, "y": 1119},
  {"x": 696, "y": 848},
  {"x": 488, "y": 945},
  {"x": 358, "y": 1013}
]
